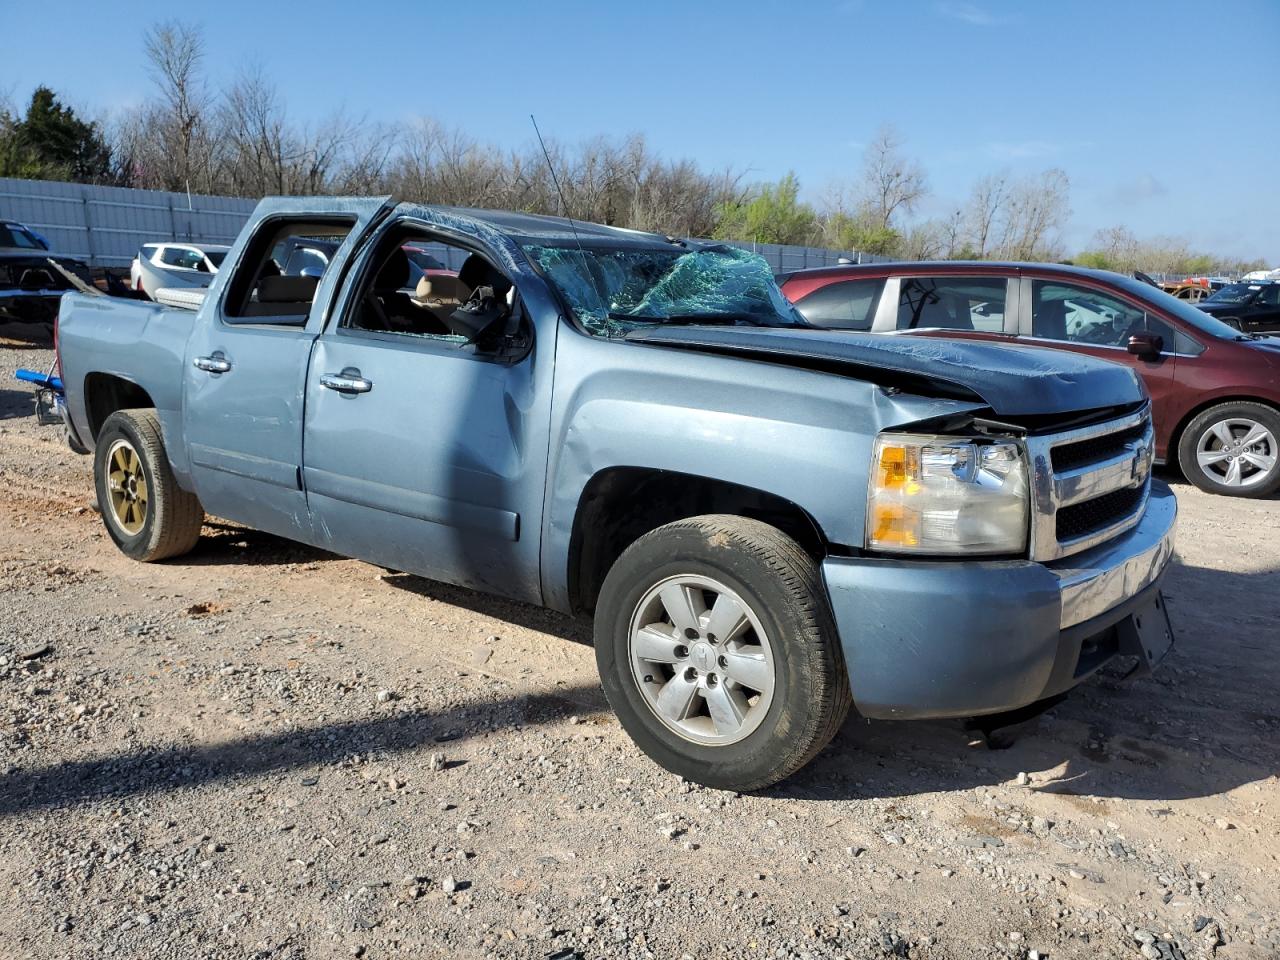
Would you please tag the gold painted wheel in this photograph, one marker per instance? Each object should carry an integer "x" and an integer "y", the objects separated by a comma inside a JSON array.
[{"x": 127, "y": 487}]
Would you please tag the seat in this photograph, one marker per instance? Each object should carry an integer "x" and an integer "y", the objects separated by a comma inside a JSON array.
[
  {"x": 440, "y": 290},
  {"x": 478, "y": 272},
  {"x": 387, "y": 307},
  {"x": 279, "y": 296},
  {"x": 1049, "y": 320},
  {"x": 945, "y": 313}
]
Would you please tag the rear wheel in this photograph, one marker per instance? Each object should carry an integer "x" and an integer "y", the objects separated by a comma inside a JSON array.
[
  {"x": 718, "y": 653},
  {"x": 144, "y": 510},
  {"x": 1233, "y": 449}
]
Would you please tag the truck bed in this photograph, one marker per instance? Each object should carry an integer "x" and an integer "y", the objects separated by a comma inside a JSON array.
[{"x": 140, "y": 343}]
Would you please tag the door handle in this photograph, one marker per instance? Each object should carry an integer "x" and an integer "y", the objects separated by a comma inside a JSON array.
[
  {"x": 214, "y": 364},
  {"x": 348, "y": 381}
]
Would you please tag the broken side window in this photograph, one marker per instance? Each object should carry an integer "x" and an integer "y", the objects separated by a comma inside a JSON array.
[{"x": 611, "y": 290}]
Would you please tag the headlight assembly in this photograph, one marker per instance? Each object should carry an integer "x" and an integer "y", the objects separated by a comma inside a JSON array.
[{"x": 947, "y": 495}]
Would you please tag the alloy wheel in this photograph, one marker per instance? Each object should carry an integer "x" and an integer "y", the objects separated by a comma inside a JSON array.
[
  {"x": 701, "y": 659},
  {"x": 1237, "y": 452},
  {"x": 127, "y": 487}
]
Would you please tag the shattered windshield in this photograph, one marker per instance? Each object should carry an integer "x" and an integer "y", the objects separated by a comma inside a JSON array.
[{"x": 612, "y": 290}]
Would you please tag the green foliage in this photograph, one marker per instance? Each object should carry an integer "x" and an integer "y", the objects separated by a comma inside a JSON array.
[
  {"x": 864, "y": 233},
  {"x": 1094, "y": 259},
  {"x": 1199, "y": 264},
  {"x": 52, "y": 143},
  {"x": 774, "y": 215}
]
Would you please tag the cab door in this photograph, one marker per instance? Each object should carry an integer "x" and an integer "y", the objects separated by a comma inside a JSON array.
[
  {"x": 423, "y": 452},
  {"x": 246, "y": 366}
]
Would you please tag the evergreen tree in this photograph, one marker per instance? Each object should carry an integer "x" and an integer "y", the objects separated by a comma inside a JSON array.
[{"x": 52, "y": 143}]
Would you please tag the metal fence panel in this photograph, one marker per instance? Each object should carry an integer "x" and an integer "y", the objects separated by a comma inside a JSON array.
[{"x": 105, "y": 226}]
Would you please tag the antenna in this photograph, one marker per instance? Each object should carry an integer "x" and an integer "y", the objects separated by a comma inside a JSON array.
[{"x": 573, "y": 228}]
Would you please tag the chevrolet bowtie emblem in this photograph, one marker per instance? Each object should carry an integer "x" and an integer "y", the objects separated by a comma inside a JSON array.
[{"x": 1141, "y": 463}]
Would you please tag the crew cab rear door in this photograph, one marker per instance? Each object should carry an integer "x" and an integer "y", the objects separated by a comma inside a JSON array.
[{"x": 246, "y": 363}]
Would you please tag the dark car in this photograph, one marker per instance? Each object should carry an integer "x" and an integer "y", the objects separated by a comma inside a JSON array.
[
  {"x": 30, "y": 286},
  {"x": 1253, "y": 307},
  {"x": 1215, "y": 390}
]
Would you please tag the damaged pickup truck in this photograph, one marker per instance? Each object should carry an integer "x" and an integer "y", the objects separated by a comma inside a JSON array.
[{"x": 768, "y": 522}]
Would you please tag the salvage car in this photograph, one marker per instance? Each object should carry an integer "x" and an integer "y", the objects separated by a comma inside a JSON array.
[
  {"x": 1250, "y": 307},
  {"x": 1215, "y": 391},
  {"x": 164, "y": 266},
  {"x": 1190, "y": 292},
  {"x": 30, "y": 286},
  {"x": 766, "y": 521}
]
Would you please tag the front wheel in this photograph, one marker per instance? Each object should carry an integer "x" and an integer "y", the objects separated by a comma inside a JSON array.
[
  {"x": 144, "y": 510},
  {"x": 718, "y": 653},
  {"x": 1233, "y": 449}
]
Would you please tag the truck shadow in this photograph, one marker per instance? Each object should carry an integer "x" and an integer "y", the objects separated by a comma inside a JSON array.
[
  {"x": 319, "y": 750},
  {"x": 226, "y": 543},
  {"x": 576, "y": 630},
  {"x": 1207, "y": 722}
]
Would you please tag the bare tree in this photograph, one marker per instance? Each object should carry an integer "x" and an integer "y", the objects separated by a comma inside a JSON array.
[
  {"x": 1036, "y": 209},
  {"x": 176, "y": 51},
  {"x": 925, "y": 241},
  {"x": 952, "y": 237},
  {"x": 892, "y": 182},
  {"x": 983, "y": 211}
]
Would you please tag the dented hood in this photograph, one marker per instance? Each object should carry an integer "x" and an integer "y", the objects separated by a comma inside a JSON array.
[{"x": 1012, "y": 380}]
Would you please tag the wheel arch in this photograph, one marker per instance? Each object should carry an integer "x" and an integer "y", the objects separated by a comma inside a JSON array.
[
  {"x": 620, "y": 504},
  {"x": 107, "y": 393}
]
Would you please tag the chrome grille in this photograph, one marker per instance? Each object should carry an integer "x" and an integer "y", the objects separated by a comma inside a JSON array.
[
  {"x": 1090, "y": 484},
  {"x": 1082, "y": 519},
  {"x": 1082, "y": 453}
]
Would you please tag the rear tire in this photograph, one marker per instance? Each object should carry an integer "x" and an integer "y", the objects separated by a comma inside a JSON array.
[
  {"x": 144, "y": 510},
  {"x": 1213, "y": 454},
  {"x": 740, "y": 710}
]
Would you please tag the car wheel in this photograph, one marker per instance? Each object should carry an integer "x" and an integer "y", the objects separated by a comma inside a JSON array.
[
  {"x": 144, "y": 510},
  {"x": 1233, "y": 449},
  {"x": 718, "y": 652}
]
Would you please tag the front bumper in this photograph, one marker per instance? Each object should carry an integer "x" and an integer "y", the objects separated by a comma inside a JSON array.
[{"x": 958, "y": 639}]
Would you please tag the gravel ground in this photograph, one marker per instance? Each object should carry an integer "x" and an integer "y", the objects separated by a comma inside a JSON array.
[{"x": 263, "y": 750}]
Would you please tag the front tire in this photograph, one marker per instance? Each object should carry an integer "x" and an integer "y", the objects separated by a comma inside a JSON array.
[
  {"x": 718, "y": 653},
  {"x": 144, "y": 510},
  {"x": 1233, "y": 449}
]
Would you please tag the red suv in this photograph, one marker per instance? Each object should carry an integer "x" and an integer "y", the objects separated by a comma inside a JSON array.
[{"x": 1215, "y": 391}]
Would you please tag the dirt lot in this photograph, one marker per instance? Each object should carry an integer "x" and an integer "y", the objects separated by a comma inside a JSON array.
[{"x": 262, "y": 750}]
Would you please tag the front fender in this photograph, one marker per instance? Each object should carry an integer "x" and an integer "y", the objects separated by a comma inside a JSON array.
[{"x": 802, "y": 435}]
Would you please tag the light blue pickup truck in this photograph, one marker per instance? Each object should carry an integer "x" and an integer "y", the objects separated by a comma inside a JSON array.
[{"x": 768, "y": 522}]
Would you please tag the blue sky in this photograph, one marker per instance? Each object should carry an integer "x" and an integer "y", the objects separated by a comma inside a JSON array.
[{"x": 1166, "y": 115}]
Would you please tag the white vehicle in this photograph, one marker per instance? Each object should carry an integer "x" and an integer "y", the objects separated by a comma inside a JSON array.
[
  {"x": 1261, "y": 275},
  {"x": 175, "y": 265}
]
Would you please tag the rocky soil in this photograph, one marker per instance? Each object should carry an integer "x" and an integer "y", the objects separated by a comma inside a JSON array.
[{"x": 262, "y": 750}]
